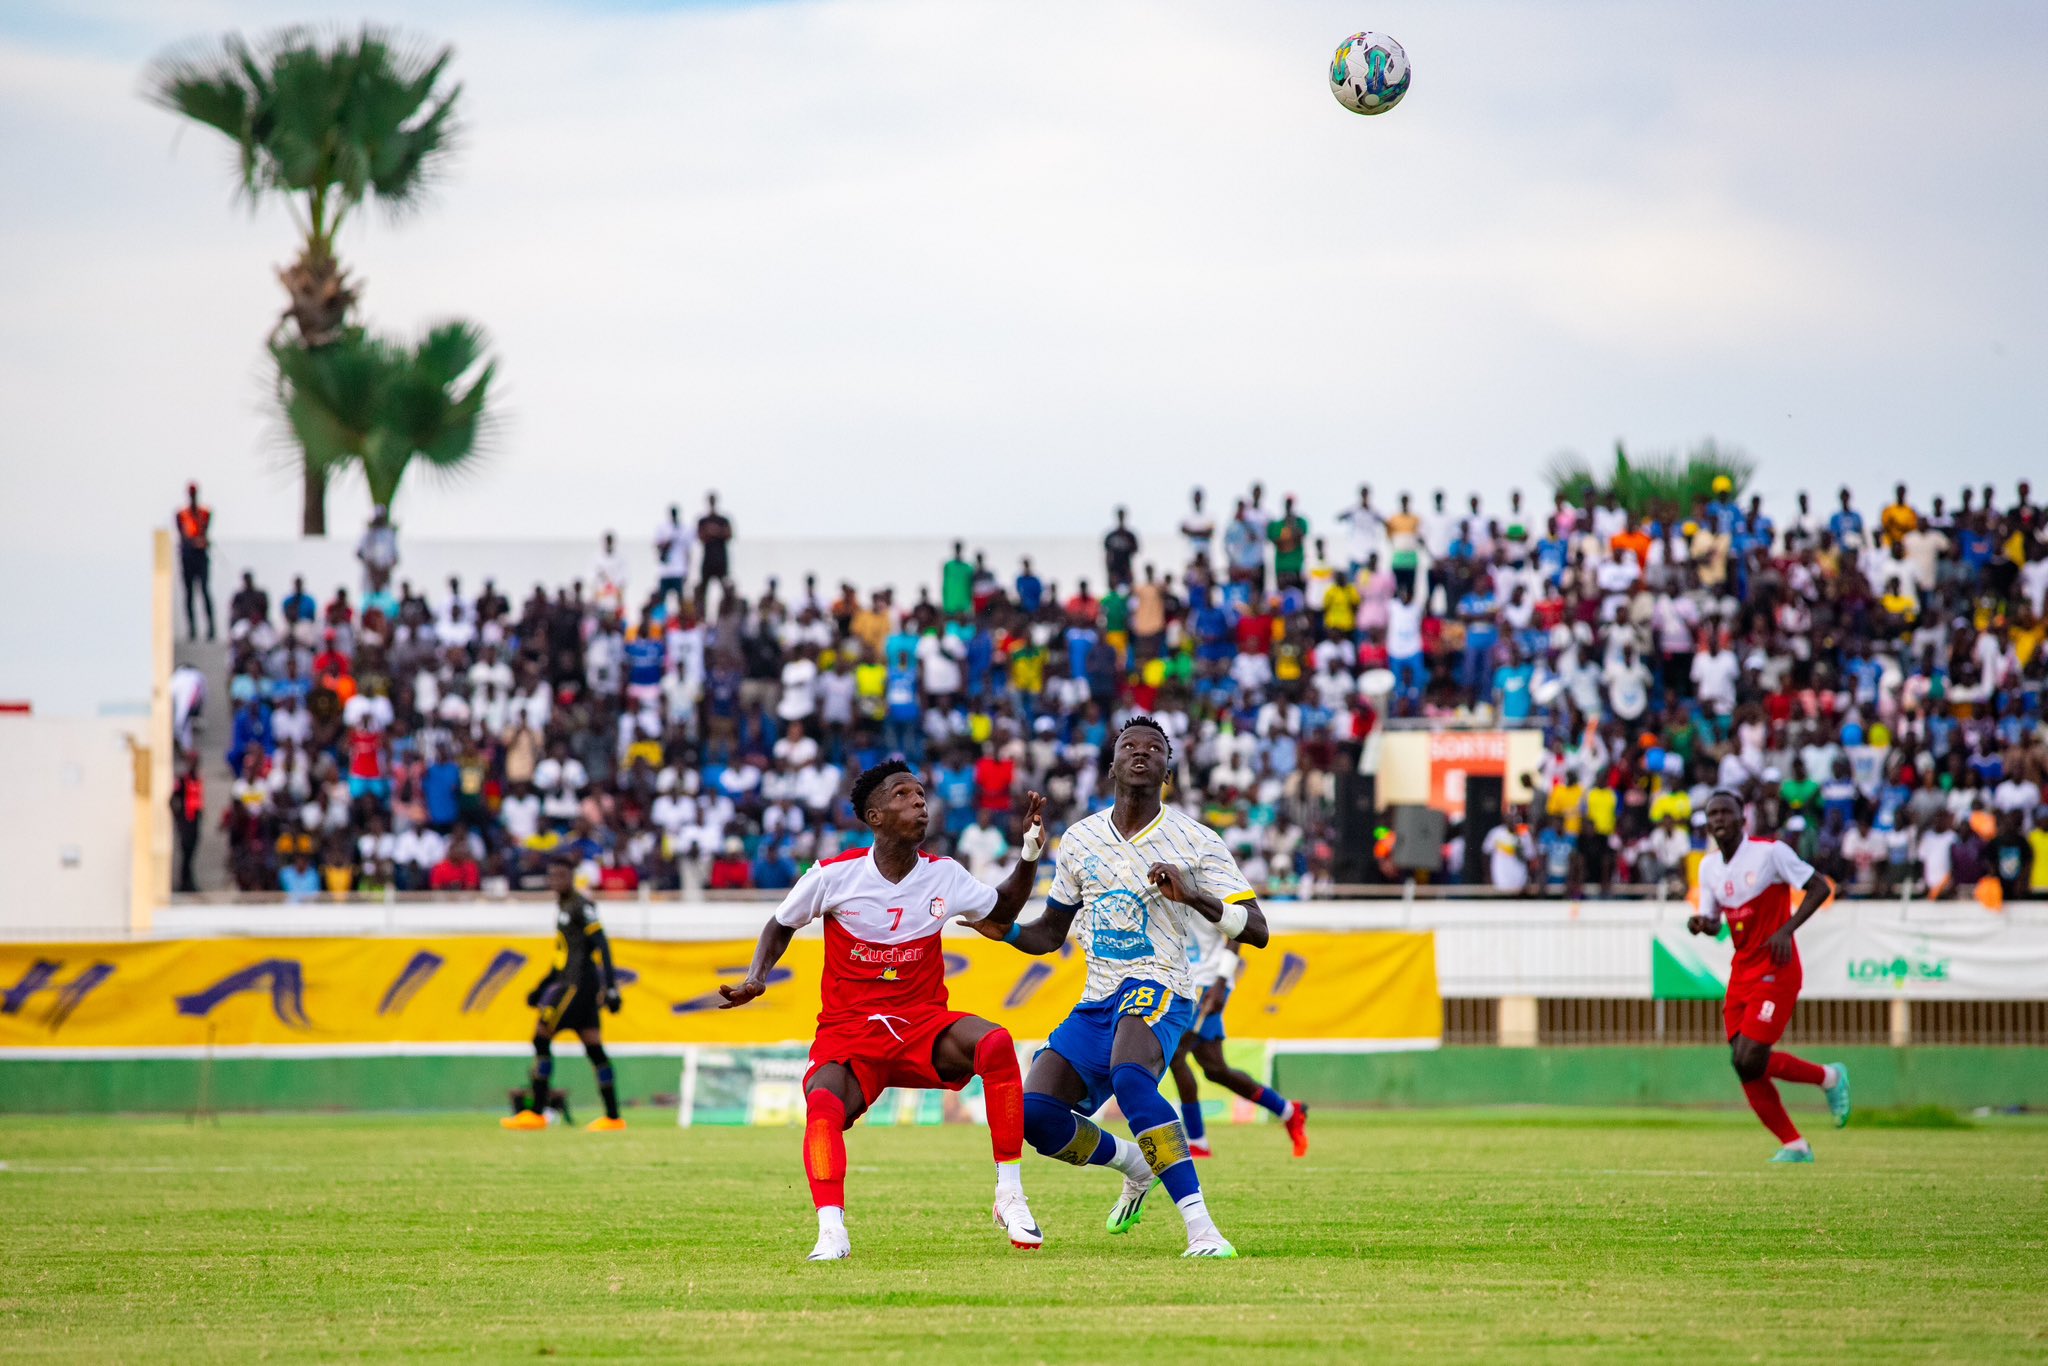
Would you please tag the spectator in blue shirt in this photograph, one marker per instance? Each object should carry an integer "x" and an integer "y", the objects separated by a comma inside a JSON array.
[
  {"x": 773, "y": 867},
  {"x": 299, "y": 879},
  {"x": 298, "y": 604},
  {"x": 1846, "y": 526},
  {"x": 1511, "y": 683},
  {"x": 953, "y": 786},
  {"x": 1481, "y": 635},
  {"x": 1030, "y": 589},
  {"x": 441, "y": 786},
  {"x": 902, "y": 711}
]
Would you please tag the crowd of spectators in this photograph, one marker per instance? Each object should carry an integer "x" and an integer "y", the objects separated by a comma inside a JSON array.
[{"x": 1871, "y": 686}]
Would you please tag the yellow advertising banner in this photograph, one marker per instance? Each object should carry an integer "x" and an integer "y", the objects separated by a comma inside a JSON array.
[{"x": 416, "y": 993}]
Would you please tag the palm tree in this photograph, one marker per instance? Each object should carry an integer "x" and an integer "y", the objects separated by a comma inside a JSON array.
[
  {"x": 1664, "y": 484},
  {"x": 380, "y": 405},
  {"x": 323, "y": 122}
]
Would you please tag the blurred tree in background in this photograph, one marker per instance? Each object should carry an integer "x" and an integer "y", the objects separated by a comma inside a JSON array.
[
  {"x": 325, "y": 122},
  {"x": 1666, "y": 483}
]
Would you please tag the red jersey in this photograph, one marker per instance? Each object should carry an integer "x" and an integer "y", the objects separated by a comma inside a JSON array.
[
  {"x": 882, "y": 953},
  {"x": 365, "y": 753},
  {"x": 1753, "y": 892}
]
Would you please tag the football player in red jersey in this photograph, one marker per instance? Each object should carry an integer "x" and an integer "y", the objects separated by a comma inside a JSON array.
[
  {"x": 1749, "y": 883},
  {"x": 885, "y": 1020}
]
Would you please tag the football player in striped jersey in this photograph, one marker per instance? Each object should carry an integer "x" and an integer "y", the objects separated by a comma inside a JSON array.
[{"x": 1132, "y": 879}]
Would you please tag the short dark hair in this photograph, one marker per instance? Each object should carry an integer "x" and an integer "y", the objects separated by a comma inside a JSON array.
[
  {"x": 1149, "y": 724},
  {"x": 1718, "y": 793},
  {"x": 870, "y": 781}
]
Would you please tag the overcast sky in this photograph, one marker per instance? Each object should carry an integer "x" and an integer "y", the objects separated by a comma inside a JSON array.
[{"x": 869, "y": 264}]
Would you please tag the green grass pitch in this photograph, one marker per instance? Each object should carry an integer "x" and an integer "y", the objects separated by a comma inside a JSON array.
[{"x": 1497, "y": 1235}]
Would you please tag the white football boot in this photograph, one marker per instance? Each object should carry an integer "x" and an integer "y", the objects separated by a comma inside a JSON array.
[
  {"x": 1013, "y": 1217},
  {"x": 833, "y": 1244}
]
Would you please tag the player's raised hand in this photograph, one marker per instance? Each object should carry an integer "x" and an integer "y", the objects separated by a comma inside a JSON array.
[
  {"x": 743, "y": 993},
  {"x": 1034, "y": 825},
  {"x": 1172, "y": 882}
]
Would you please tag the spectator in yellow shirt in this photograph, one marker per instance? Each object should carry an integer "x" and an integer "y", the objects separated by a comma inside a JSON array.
[
  {"x": 1567, "y": 804},
  {"x": 1340, "y": 608},
  {"x": 1898, "y": 519}
]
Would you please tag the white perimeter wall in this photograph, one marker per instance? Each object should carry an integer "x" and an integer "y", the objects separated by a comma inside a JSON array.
[{"x": 67, "y": 806}]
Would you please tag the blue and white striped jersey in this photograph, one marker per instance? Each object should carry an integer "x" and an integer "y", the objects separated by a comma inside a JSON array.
[{"x": 1128, "y": 929}]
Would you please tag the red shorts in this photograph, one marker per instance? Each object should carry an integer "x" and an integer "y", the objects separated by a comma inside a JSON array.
[
  {"x": 887, "y": 1050},
  {"x": 1760, "y": 1007}
]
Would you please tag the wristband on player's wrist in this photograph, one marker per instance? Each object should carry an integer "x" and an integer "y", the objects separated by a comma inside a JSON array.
[
  {"x": 1011, "y": 935},
  {"x": 1233, "y": 919}
]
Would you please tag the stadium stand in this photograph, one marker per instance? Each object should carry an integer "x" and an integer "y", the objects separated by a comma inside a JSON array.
[{"x": 1872, "y": 686}]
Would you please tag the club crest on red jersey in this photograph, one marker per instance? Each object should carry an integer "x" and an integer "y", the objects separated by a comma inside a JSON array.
[{"x": 938, "y": 908}]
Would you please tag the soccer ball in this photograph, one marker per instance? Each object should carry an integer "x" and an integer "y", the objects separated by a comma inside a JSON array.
[{"x": 1369, "y": 74}]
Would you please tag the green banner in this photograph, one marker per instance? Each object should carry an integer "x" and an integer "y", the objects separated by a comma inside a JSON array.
[{"x": 1679, "y": 971}]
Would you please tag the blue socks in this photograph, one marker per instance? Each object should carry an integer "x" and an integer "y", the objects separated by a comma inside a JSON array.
[
  {"x": 1272, "y": 1100},
  {"x": 1055, "y": 1131},
  {"x": 1157, "y": 1130},
  {"x": 1191, "y": 1120}
]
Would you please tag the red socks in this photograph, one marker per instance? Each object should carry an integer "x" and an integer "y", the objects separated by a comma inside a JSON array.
[
  {"x": 995, "y": 1062},
  {"x": 1785, "y": 1067},
  {"x": 1763, "y": 1098},
  {"x": 825, "y": 1148}
]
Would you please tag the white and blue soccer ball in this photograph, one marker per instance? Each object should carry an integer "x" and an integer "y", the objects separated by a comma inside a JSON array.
[{"x": 1369, "y": 74}]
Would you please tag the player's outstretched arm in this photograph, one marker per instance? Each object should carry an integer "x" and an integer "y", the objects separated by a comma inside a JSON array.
[
  {"x": 1818, "y": 890},
  {"x": 608, "y": 974},
  {"x": 1175, "y": 885},
  {"x": 768, "y": 951},
  {"x": 1013, "y": 891},
  {"x": 1043, "y": 935}
]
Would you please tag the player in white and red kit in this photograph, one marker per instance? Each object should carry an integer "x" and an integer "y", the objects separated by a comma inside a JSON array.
[
  {"x": 885, "y": 1021},
  {"x": 1749, "y": 883}
]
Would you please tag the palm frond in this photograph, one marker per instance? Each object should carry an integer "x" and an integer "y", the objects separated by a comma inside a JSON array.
[
  {"x": 1655, "y": 483},
  {"x": 1568, "y": 473},
  {"x": 353, "y": 115},
  {"x": 383, "y": 405}
]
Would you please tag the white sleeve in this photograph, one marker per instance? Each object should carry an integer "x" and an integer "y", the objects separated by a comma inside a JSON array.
[
  {"x": 1793, "y": 870},
  {"x": 805, "y": 902},
  {"x": 968, "y": 898},
  {"x": 1708, "y": 904},
  {"x": 1218, "y": 874}
]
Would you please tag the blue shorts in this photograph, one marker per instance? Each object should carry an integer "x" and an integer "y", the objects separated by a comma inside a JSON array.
[
  {"x": 1087, "y": 1036},
  {"x": 1210, "y": 1030}
]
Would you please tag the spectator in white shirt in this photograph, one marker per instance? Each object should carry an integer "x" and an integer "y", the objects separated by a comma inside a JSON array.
[
  {"x": 799, "y": 686},
  {"x": 1507, "y": 860},
  {"x": 1937, "y": 856},
  {"x": 1714, "y": 674},
  {"x": 672, "y": 542}
]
